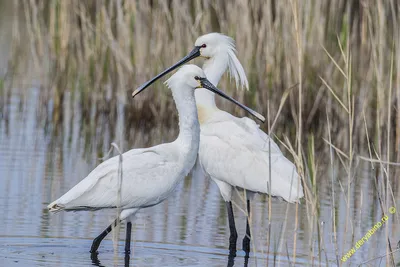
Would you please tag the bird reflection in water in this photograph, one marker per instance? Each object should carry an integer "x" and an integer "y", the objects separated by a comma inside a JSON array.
[
  {"x": 96, "y": 262},
  {"x": 231, "y": 259}
]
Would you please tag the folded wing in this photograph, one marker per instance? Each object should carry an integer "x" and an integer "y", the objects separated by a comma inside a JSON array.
[
  {"x": 100, "y": 188},
  {"x": 237, "y": 152}
]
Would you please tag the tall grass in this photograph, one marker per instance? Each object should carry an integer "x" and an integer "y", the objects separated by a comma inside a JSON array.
[{"x": 110, "y": 47}]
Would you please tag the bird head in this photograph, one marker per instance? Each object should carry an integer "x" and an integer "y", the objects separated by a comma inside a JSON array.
[
  {"x": 217, "y": 46},
  {"x": 189, "y": 76},
  {"x": 212, "y": 46}
]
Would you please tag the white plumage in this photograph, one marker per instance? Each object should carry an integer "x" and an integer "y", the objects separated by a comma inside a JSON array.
[
  {"x": 149, "y": 174},
  {"x": 234, "y": 152},
  {"x": 240, "y": 144}
]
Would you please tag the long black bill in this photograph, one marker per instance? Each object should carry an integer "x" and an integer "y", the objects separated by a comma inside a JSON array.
[
  {"x": 193, "y": 54},
  {"x": 206, "y": 84}
]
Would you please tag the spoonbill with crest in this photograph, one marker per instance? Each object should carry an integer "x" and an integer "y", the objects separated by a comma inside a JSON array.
[
  {"x": 149, "y": 174},
  {"x": 234, "y": 152}
]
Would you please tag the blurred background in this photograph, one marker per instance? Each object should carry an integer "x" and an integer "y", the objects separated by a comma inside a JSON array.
[{"x": 67, "y": 71}]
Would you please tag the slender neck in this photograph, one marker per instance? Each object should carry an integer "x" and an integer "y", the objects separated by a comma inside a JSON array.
[
  {"x": 214, "y": 68},
  {"x": 189, "y": 128}
]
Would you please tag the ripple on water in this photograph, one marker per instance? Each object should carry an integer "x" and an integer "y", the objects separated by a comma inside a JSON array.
[{"x": 33, "y": 251}]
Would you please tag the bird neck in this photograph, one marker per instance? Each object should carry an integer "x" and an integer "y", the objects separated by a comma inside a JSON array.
[
  {"x": 214, "y": 68},
  {"x": 189, "y": 128}
]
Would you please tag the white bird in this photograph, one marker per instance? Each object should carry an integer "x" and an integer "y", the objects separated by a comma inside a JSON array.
[
  {"x": 149, "y": 174},
  {"x": 234, "y": 152}
]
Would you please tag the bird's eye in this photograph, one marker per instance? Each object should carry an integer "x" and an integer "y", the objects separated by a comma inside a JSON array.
[
  {"x": 197, "y": 78},
  {"x": 203, "y": 45}
]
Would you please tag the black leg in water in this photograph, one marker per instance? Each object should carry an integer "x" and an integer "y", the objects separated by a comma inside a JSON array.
[
  {"x": 97, "y": 240},
  {"x": 128, "y": 237},
  {"x": 231, "y": 259},
  {"x": 246, "y": 239},
  {"x": 127, "y": 259},
  {"x": 232, "y": 228},
  {"x": 95, "y": 259},
  {"x": 246, "y": 260}
]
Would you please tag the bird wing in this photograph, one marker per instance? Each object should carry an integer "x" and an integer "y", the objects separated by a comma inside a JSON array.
[
  {"x": 236, "y": 151},
  {"x": 259, "y": 136},
  {"x": 243, "y": 131},
  {"x": 140, "y": 167}
]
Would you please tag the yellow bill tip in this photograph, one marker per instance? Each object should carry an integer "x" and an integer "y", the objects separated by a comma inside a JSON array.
[{"x": 135, "y": 92}]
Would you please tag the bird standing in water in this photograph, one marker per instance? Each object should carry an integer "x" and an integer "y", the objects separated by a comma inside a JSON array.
[
  {"x": 235, "y": 152},
  {"x": 149, "y": 174}
]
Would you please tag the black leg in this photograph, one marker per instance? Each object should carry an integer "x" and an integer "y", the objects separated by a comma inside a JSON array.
[
  {"x": 246, "y": 239},
  {"x": 231, "y": 259},
  {"x": 97, "y": 240},
  {"x": 232, "y": 228},
  {"x": 126, "y": 259},
  {"x": 246, "y": 260},
  {"x": 128, "y": 237}
]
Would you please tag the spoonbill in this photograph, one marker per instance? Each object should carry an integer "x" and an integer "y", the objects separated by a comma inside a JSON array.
[
  {"x": 150, "y": 174},
  {"x": 234, "y": 152}
]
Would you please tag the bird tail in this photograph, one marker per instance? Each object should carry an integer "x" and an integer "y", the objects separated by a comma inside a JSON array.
[{"x": 54, "y": 207}]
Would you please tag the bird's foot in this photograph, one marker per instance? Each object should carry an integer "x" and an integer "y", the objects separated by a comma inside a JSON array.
[
  {"x": 232, "y": 250},
  {"x": 246, "y": 245},
  {"x": 93, "y": 253},
  {"x": 95, "y": 245}
]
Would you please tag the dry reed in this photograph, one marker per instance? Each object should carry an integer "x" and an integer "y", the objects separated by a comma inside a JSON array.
[{"x": 110, "y": 47}]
